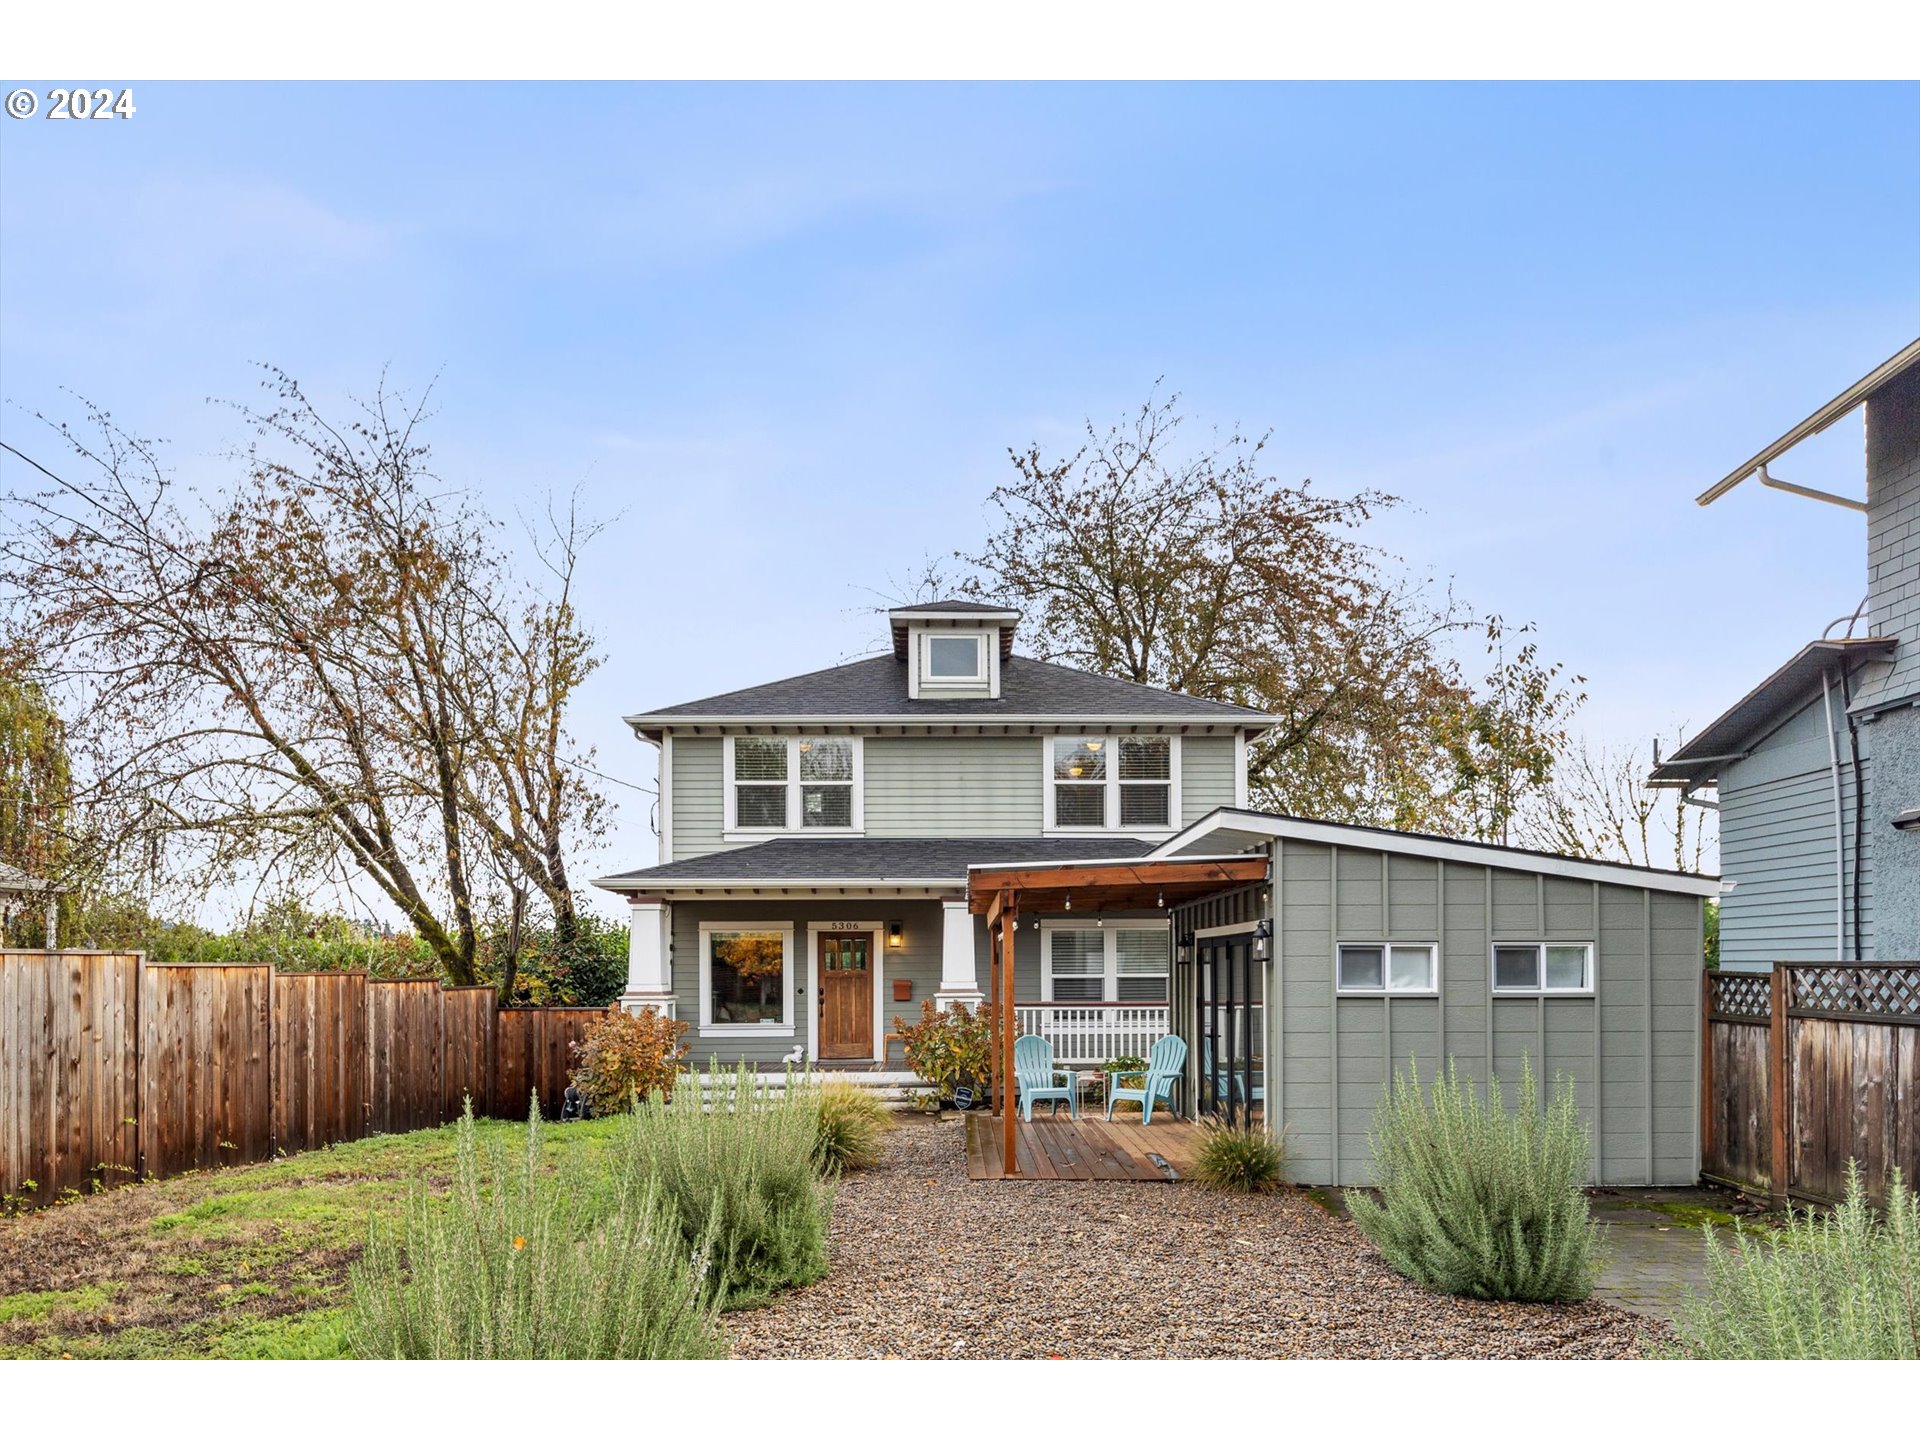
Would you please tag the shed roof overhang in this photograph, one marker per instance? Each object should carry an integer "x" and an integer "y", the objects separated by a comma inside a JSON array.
[
  {"x": 1227, "y": 828},
  {"x": 1107, "y": 884},
  {"x": 1841, "y": 405}
]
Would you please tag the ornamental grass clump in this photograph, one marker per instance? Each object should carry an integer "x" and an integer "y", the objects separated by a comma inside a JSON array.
[
  {"x": 1240, "y": 1161},
  {"x": 525, "y": 1263},
  {"x": 1478, "y": 1200},
  {"x": 1840, "y": 1286},
  {"x": 850, "y": 1124},
  {"x": 736, "y": 1165}
]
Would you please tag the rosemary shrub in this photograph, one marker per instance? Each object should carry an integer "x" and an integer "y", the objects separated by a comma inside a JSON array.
[
  {"x": 1478, "y": 1200},
  {"x": 1840, "y": 1286},
  {"x": 525, "y": 1263},
  {"x": 736, "y": 1166},
  {"x": 1246, "y": 1161}
]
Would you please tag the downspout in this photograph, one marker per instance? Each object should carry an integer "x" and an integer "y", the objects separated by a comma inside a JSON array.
[
  {"x": 1839, "y": 828},
  {"x": 1859, "y": 811}
]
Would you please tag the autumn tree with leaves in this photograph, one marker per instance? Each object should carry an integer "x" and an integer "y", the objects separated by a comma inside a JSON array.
[
  {"x": 1195, "y": 569},
  {"x": 329, "y": 668}
]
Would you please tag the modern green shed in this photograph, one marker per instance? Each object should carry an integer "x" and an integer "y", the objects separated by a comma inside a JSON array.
[{"x": 1368, "y": 949}]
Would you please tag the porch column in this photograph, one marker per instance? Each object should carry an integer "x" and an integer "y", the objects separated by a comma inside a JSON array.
[
  {"x": 959, "y": 978},
  {"x": 649, "y": 969}
]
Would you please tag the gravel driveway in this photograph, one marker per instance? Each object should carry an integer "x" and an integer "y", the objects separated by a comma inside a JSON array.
[{"x": 927, "y": 1264}]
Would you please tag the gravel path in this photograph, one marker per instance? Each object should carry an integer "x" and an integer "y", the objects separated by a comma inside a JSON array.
[{"x": 927, "y": 1264}]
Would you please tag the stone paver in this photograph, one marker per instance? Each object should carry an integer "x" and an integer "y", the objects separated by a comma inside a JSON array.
[{"x": 1656, "y": 1250}]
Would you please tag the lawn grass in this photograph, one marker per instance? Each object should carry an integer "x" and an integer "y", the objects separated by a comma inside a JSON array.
[{"x": 243, "y": 1263}]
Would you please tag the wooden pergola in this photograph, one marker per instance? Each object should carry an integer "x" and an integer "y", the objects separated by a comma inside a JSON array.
[{"x": 1001, "y": 892}]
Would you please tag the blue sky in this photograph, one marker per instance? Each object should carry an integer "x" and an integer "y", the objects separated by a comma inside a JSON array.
[{"x": 785, "y": 334}]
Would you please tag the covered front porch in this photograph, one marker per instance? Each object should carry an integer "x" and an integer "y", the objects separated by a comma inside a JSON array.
[{"x": 1084, "y": 1033}]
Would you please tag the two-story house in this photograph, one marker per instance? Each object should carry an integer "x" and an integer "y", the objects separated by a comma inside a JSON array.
[
  {"x": 827, "y": 843},
  {"x": 815, "y": 835},
  {"x": 1816, "y": 771}
]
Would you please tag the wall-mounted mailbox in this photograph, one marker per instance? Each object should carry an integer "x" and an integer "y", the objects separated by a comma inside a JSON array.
[{"x": 903, "y": 989}]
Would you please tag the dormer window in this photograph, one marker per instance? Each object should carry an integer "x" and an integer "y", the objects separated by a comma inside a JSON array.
[
  {"x": 793, "y": 782},
  {"x": 1112, "y": 782},
  {"x": 953, "y": 660}
]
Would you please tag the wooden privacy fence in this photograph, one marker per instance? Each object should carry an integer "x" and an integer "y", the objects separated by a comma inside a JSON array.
[
  {"x": 113, "y": 1069},
  {"x": 1806, "y": 1068}
]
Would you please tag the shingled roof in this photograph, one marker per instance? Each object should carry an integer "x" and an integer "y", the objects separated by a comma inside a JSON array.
[
  {"x": 792, "y": 860},
  {"x": 876, "y": 689}
]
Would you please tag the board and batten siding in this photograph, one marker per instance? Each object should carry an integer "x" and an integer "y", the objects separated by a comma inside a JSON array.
[
  {"x": 1777, "y": 846},
  {"x": 1629, "y": 1049},
  {"x": 933, "y": 786}
]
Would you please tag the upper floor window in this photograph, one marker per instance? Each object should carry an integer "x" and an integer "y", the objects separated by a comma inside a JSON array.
[
  {"x": 954, "y": 660},
  {"x": 1105, "y": 782},
  {"x": 777, "y": 782}
]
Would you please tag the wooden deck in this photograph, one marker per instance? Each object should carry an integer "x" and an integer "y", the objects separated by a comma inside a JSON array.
[{"x": 1087, "y": 1149}]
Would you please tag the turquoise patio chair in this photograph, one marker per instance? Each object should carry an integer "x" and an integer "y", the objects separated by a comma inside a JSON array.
[
  {"x": 1225, "y": 1077},
  {"x": 1164, "y": 1065},
  {"x": 1033, "y": 1067}
]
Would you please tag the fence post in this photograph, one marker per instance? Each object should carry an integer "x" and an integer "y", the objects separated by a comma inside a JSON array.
[
  {"x": 1778, "y": 1072},
  {"x": 1706, "y": 1071}
]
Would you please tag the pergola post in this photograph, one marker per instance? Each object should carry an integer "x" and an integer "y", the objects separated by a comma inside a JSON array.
[
  {"x": 993, "y": 999},
  {"x": 1009, "y": 1113}
]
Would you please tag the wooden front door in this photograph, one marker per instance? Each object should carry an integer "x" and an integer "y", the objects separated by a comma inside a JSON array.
[{"x": 846, "y": 996}]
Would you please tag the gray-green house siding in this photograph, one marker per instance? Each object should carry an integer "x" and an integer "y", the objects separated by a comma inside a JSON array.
[
  {"x": 932, "y": 785},
  {"x": 1629, "y": 1048}
]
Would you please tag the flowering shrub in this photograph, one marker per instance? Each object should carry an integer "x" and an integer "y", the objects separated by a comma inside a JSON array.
[
  {"x": 624, "y": 1058},
  {"x": 950, "y": 1047}
]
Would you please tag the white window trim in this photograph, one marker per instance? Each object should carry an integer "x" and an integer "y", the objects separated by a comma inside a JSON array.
[
  {"x": 1541, "y": 946},
  {"x": 732, "y": 829},
  {"x": 1386, "y": 968},
  {"x": 814, "y": 930},
  {"x": 982, "y": 674},
  {"x": 1110, "y": 965},
  {"x": 984, "y": 685},
  {"x": 709, "y": 928},
  {"x": 1111, "y": 785}
]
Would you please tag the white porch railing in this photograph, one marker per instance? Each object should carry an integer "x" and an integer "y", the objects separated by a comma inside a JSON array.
[{"x": 1093, "y": 1034}]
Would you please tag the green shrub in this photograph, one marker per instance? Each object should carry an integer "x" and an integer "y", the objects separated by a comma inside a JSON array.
[
  {"x": 1243, "y": 1161},
  {"x": 737, "y": 1168},
  {"x": 1478, "y": 1200},
  {"x": 1842, "y": 1286},
  {"x": 851, "y": 1121},
  {"x": 521, "y": 1263}
]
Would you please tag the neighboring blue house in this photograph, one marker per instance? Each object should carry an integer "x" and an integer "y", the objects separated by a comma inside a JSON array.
[{"x": 1817, "y": 770}]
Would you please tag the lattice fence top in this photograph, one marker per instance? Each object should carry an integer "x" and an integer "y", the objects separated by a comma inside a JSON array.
[
  {"x": 1742, "y": 996},
  {"x": 1855, "y": 989}
]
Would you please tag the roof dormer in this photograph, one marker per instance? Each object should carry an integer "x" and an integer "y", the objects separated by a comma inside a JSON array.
[{"x": 953, "y": 649}]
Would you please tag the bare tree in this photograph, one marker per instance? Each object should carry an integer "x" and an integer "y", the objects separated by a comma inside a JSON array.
[
  {"x": 1601, "y": 806},
  {"x": 326, "y": 669}
]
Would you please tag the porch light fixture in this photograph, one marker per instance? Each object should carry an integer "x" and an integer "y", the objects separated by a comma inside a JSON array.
[
  {"x": 893, "y": 935},
  {"x": 1262, "y": 933},
  {"x": 1069, "y": 900},
  {"x": 1183, "y": 950},
  {"x": 1161, "y": 901}
]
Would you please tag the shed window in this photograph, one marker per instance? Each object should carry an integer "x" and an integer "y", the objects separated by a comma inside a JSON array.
[
  {"x": 1543, "y": 969},
  {"x": 1387, "y": 970}
]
